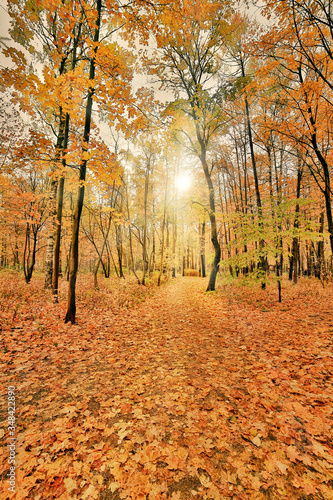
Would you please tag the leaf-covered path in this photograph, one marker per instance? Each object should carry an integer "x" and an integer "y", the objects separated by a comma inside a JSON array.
[{"x": 188, "y": 395}]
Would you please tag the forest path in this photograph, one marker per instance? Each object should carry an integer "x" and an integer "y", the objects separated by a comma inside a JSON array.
[{"x": 188, "y": 395}]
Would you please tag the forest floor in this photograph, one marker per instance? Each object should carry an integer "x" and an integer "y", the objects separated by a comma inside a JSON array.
[{"x": 170, "y": 393}]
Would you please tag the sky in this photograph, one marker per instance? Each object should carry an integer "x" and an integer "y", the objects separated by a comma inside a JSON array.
[
  {"x": 4, "y": 28},
  {"x": 4, "y": 19},
  {"x": 139, "y": 80}
]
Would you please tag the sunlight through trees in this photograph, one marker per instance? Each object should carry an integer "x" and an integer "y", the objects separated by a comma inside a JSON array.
[{"x": 218, "y": 164}]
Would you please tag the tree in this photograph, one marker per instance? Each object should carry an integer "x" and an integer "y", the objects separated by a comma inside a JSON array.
[
  {"x": 301, "y": 60},
  {"x": 74, "y": 258},
  {"x": 190, "y": 47},
  {"x": 52, "y": 35},
  {"x": 25, "y": 194}
]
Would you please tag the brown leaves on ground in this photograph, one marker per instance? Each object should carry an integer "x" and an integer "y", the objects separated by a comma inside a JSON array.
[{"x": 186, "y": 395}]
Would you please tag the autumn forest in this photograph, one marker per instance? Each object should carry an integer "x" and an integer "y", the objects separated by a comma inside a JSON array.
[{"x": 166, "y": 249}]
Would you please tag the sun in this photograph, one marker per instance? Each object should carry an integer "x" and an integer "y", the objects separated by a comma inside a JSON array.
[{"x": 184, "y": 182}]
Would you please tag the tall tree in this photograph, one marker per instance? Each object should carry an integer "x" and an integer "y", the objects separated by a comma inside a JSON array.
[
  {"x": 190, "y": 46},
  {"x": 298, "y": 47},
  {"x": 52, "y": 32},
  {"x": 74, "y": 258}
]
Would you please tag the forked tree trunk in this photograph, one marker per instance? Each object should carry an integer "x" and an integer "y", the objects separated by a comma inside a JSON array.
[
  {"x": 61, "y": 184},
  {"x": 325, "y": 167},
  {"x": 74, "y": 259},
  {"x": 100, "y": 252},
  {"x": 53, "y": 200},
  {"x": 49, "y": 261},
  {"x": 29, "y": 256}
]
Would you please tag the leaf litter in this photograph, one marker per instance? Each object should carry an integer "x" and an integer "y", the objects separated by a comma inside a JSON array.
[{"x": 171, "y": 393}]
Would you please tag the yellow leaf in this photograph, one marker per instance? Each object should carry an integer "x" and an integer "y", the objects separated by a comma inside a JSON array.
[
  {"x": 70, "y": 484},
  {"x": 113, "y": 487},
  {"x": 90, "y": 492},
  {"x": 256, "y": 441},
  {"x": 292, "y": 454},
  {"x": 281, "y": 466},
  {"x": 205, "y": 481},
  {"x": 256, "y": 484},
  {"x": 321, "y": 450},
  {"x": 68, "y": 409}
]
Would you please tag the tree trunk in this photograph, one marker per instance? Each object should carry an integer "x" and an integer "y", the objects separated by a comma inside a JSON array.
[
  {"x": 49, "y": 262},
  {"x": 174, "y": 224},
  {"x": 60, "y": 202},
  {"x": 16, "y": 260},
  {"x": 320, "y": 250},
  {"x": 50, "y": 237},
  {"x": 202, "y": 237},
  {"x": 144, "y": 245},
  {"x": 119, "y": 251},
  {"x": 163, "y": 230},
  {"x": 256, "y": 184},
  {"x": 29, "y": 257},
  {"x": 130, "y": 237},
  {"x": 96, "y": 273},
  {"x": 61, "y": 182},
  {"x": 114, "y": 264},
  {"x": 26, "y": 253},
  {"x": 293, "y": 262},
  {"x": 325, "y": 167},
  {"x": 212, "y": 218},
  {"x": 74, "y": 260}
]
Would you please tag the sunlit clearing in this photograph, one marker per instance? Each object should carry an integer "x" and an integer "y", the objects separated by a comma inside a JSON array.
[{"x": 183, "y": 182}]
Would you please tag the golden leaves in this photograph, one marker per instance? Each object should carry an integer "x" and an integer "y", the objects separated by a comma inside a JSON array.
[
  {"x": 281, "y": 466},
  {"x": 70, "y": 484},
  {"x": 90, "y": 492},
  {"x": 17, "y": 57}
]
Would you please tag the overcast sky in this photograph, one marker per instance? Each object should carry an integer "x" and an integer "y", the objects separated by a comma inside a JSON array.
[
  {"x": 4, "y": 19},
  {"x": 4, "y": 27}
]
